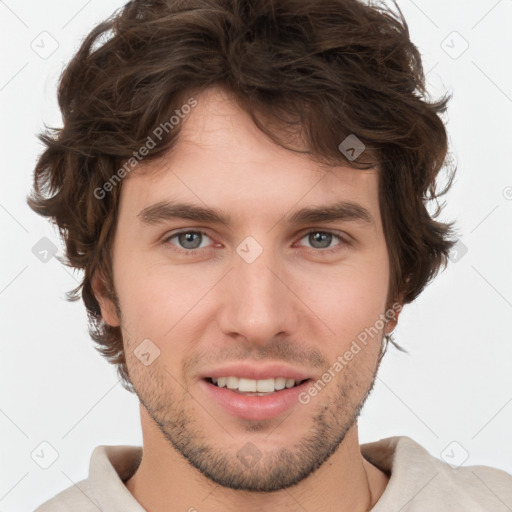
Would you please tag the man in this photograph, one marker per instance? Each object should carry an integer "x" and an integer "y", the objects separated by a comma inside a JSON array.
[{"x": 244, "y": 184}]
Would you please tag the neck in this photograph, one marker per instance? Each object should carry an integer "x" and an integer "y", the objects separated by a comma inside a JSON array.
[{"x": 345, "y": 482}]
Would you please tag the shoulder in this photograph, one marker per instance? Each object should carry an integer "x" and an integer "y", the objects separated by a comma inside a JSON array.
[
  {"x": 420, "y": 482},
  {"x": 104, "y": 488},
  {"x": 77, "y": 497}
]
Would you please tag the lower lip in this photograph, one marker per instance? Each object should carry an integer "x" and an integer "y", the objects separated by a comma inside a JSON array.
[{"x": 253, "y": 407}]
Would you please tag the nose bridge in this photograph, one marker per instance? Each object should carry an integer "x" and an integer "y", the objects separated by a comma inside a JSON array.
[{"x": 259, "y": 305}]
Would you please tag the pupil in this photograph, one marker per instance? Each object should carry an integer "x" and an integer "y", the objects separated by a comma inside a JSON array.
[
  {"x": 320, "y": 236},
  {"x": 185, "y": 238}
]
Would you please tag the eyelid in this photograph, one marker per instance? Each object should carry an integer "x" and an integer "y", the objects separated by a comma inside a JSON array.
[
  {"x": 344, "y": 239},
  {"x": 173, "y": 234},
  {"x": 342, "y": 235}
]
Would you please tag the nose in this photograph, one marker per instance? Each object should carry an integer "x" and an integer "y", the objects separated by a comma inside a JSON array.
[{"x": 260, "y": 301}]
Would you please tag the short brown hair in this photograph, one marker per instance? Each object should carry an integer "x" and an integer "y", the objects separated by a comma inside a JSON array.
[{"x": 325, "y": 69}]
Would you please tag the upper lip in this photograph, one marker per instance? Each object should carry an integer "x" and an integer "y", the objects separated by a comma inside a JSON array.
[{"x": 251, "y": 371}]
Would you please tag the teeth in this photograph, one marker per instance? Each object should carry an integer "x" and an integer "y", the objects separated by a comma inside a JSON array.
[
  {"x": 290, "y": 383},
  {"x": 248, "y": 385},
  {"x": 264, "y": 385},
  {"x": 280, "y": 383},
  {"x": 232, "y": 382},
  {"x": 251, "y": 385}
]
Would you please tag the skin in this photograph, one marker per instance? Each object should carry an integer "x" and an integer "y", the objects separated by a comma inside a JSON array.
[{"x": 295, "y": 304}]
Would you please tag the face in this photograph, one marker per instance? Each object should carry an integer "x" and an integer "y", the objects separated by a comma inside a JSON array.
[{"x": 268, "y": 291}]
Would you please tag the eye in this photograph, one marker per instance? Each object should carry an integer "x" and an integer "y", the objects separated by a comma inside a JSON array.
[
  {"x": 322, "y": 240},
  {"x": 188, "y": 240}
]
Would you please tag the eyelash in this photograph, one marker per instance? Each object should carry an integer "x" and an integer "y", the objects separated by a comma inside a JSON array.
[{"x": 192, "y": 252}]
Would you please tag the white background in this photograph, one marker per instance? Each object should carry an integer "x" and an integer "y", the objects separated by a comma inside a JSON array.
[{"x": 454, "y": 385}]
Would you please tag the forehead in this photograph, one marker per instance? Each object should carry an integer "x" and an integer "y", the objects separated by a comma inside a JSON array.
[{"x": 222, "y": 156}]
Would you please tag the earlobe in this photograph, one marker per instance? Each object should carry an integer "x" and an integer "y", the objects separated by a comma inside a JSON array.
[
  {"x": 393, "y": 321},
  {"x": 390, "y": 326},
  {"x": 107, "y": 306}
]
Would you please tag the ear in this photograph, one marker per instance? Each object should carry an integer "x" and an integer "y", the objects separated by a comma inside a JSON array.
[
  {"x": 396, "y": 309},
  {"x": 107, "y": 306}
]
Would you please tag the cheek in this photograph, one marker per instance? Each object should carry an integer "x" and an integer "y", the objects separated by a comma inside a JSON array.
[
  {"x": 157, "y": 299},
  {"x": 152, "y": 306},
  {"x": 145, "y": 296},
  {"x": 350, "y": 299}
]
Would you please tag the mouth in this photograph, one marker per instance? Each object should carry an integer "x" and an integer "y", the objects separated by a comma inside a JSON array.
[
  {"x": 256, "y": 400},
  {"x": 253, "y": 387}
]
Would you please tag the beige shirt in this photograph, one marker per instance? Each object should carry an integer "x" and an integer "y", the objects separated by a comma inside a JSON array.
[{"x": 418, "y": 482}]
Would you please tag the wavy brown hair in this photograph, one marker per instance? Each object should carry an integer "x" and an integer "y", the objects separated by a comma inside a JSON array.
[{"x": 321, "y": 69}]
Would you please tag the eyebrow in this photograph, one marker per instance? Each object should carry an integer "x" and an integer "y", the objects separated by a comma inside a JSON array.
[{"x": 167, "y": 210}]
